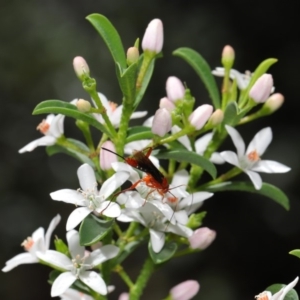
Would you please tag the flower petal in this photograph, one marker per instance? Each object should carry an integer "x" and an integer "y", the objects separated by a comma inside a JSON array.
[
  {"x": 181, "y": 216},
  {"x": 120, "y": 166},
  {"x": 50, "y": 229},
  {"x": 261, "y": 141},
  {"x": 57, "y": 126},
  {"x": 103, "y": 254},
  {"x": 270, "y": 166},
  {"x": 202, "y": 143},
  {"x": 138, "y": 114},
  {"x": 184, "y": 140},
  {"x": 255, "y": 178},
  {"x": 94, "y": 281},
  {"x": 74, "y": 244},
  {"x": 231, "y": 158},
  {"x": 282, "y": 293},
  {"x": 237, "y": 140},
  {"x": 22, "y": 258},
  {"x": 69, "y": 196},
  {"x": 62, "y": 283},
  {"x": 55, "y": 258},
  {"x": 76, "y": 217},
  {"x": 157, "y": 240},
  {"x": 180, "y": 178},
  {"x": 217, "y": 159},
  {"x": 109, "y": 209},
  {"x": 136, "y": 146},
  {"x": 112, "y": 183},
  {"x": 46, "y": 140},
  {"x": 87, "y": 178}
]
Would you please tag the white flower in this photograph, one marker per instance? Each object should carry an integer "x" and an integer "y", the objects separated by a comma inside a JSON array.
[
  {"x": 242, "y": 80},
  {"x": 249, "y": 161},
  {"x": 52, "y": 128},
  {"x": 38, "y": 242},
  {"x": 266, "y": 295},
  {"x": 89, "y": 197},
  {"x": 76, "y": 268},
  {"x": 114, "y": 112}
]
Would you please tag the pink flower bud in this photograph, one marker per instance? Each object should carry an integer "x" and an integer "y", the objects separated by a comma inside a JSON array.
[
  {"x": 202, "y": 238},
  {"x": 217, "y": 117},
  {"x": 124, "y": 296},
  {"x": 228, "y": 56},
  {"x": 175, "y": 89},
  {"x": 83, "y": 105},
  {"x": 185, "y": 290},
  {"x": 162, "y": 122},
  {"x": 107, "y": 158},
  {"x": 167, "y": 104},
  {"x": 154, "y": 36},
  {"x": 262, "y": 88},
  {"x": 81, "y": 67},
  {"x": 274, "y": 102},
  {"x": 132, "y": 55},
  {"x": 200, "y": 115}
]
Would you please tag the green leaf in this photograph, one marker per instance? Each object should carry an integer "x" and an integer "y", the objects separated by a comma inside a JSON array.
[
  {"x": 231, "y": 116},
  {"x": 53, "y": 275},
  {"x": 165, "y": 254},
  {"x": 110, "y": 36},
  {"x": 201, "y": 67},
  {"x": 93, "y": 230},
  {"x": 195, "y": 220},
  {"x": 189, "y": 157},
  {"x": 127, "y": 81},
  {"x": 54, "y": 149},
  {"x": 145, "y": 83},
  {"x": 274, "y": 288},
  {"x": 138, "y": 133},
  {"x": 267, "y": 190},
  {"x": 70, "y": 110},
  {"x": 295, "y": 252},
  {"x": 61, "y": 247}
]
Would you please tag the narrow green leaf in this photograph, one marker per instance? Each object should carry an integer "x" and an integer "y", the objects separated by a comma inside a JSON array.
[
  {"x": 127, "y": 82},
  {"x": 165, "y": 254},
  {"x": 189, "y": 157},
  {"x": 138, "y": 133},
  {"x": 55, "y": 149},
  {"x": 145, "y": 83},
  {"x": 267, "y": 190},
  {"x": 93, "y": 230},
  {"x": 201, "y": 67},
  {"x": 70, "y": 110},
  {"x": 295, "y": 252},
  {"x": 110, "y": 36}
]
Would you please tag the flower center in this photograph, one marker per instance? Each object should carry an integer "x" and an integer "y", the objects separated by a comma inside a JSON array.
[
  {"x": 43, "y": 127},
  {"x": 91, "y": 196},
  {"x": 79, "y": 265},
  {"x": 28, "y": 243},
  {"x": 113, "y": 106},
  {"x": 253, "y": 156},
  {"x": 262, "y": 296}
]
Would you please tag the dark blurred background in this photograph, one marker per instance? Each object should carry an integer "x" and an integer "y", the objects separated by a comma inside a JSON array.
[{"x": 39, "y": 40}]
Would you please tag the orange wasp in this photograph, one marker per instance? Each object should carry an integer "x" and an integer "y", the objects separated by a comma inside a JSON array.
[{"x": 154, "y": 178}]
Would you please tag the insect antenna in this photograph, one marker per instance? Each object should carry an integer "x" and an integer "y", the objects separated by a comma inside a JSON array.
[{"x": 114, "y": 153}]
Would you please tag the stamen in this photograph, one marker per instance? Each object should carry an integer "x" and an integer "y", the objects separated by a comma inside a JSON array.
[
  {"x": 253, "y": 156},
  {"x": 113, "y": 105},
  {"x": 28, "y": 243},
  {"x": 43, "y": 127}
]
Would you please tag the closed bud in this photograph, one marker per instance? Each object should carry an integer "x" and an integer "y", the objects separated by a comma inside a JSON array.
[
  {"x": 167, "y": 104},
  {"x": 154, "y": 36},
  {"x": 228, "y": 56},
  {"x": 175, "y": 89},
  {"x": 132, "y": 55},
  {"x": 106, "y": 157},
  {"x": 262, "y": 88},
  {"x": 202, "y": 238},
  {"x": 81, "y": 67},
  {"x": 162, "y": 122},
  {"x": 185, "y": 290},
  {"x": 200, "y": 115},
  {"x": 83, "y": 105},
  {"x": 274, "y": 102},
  {"x": 217, "y": 117},
  {"x": 124, "y": 296}
]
